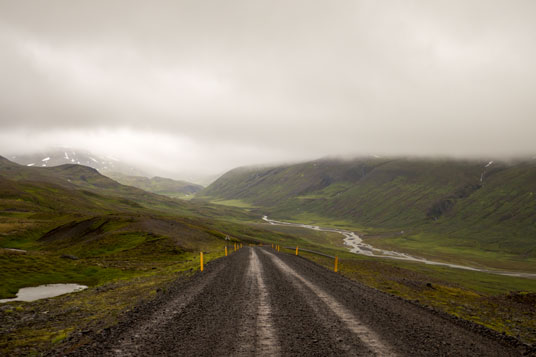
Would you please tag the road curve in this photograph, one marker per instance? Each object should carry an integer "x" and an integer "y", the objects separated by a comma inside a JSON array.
[{"x": 259, "y": 302}]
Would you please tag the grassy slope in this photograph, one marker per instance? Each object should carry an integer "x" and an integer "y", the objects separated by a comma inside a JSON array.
[
  {"x": 441, "y": 205},
  {"x": 128, "y": 243},
  {"x": 72, "y": 209},
  {"x": 159, "y": 185}
]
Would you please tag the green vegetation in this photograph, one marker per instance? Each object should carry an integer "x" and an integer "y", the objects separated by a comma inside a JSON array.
[
  {"x": 36, "y": 268},
  {"x": 159, "y": 185},
  {"x": 233, "y": 203},
  {"x": 31, "y": 328},
  {"x": 433, "y": 246},
  {"x": 78, "y": 226}
]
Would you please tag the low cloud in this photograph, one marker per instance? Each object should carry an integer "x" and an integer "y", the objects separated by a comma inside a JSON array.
[{"x": 196, "y": 87}]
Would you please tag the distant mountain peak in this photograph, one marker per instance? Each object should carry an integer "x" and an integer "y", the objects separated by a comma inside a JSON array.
[{"x": 62, "y": 155}]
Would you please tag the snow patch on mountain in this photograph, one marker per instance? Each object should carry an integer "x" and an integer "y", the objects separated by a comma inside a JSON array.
[
  {"x": 61, "y": 156},
  {"x": 484, "y": 172}
]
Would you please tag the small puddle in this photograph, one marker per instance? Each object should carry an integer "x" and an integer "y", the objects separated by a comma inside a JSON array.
[{"x": 45, "y": 291}]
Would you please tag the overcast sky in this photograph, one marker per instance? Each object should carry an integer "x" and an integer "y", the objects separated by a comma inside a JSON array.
[{"x": 199, "y": 87}]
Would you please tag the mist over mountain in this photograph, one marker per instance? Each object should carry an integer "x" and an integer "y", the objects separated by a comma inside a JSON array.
[{"x": 268, "y": 82}]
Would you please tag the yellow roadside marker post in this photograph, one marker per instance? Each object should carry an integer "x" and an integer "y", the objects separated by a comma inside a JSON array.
[
  {"x": 235, "y": 247},
  {"x": 336, "y": 264},
  {"x": 201, "y": 260},
  {"x": 278, "y": 248},
  {"x": 296, "y": 250},
  {"x": 225, "y": 250}
]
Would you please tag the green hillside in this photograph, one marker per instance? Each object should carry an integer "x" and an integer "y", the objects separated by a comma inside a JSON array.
[
  {"x": 159, "y": 185},
  {"x": 79, "y": 185},
  {"x": 469, "y": 207},
  {"x": 115, "y": 231}
]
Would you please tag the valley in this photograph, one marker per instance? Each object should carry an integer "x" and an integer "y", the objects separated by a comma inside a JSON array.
[
  {"x": 69, "y": 224},
  {"x": 472, "y": 213},
  {"x": 267, "y": 178}
]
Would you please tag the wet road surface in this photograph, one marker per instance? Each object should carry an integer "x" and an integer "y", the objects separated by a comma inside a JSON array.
[{"x": 264, "y": 303}]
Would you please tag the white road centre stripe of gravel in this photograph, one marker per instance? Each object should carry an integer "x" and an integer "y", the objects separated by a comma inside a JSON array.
[
  {"x": 267, "y": 344},
  {"x": 369, "y": 337}
]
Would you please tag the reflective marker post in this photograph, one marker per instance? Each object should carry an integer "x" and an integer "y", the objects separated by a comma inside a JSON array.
[{"x": 336, "y": 264}]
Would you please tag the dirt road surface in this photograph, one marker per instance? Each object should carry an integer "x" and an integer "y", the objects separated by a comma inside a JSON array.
[{"x": 260, "y": 302}]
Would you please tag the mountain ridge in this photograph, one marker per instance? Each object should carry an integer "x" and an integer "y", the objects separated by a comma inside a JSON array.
[{"x": 60, "y": 186}]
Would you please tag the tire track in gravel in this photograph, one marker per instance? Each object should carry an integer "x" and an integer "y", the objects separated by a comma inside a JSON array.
[
  {"x": 409, "y": 329},
  {"x": 257, "y": 335},
  {"x": 300, "y": 328},
  {"x": 256, "y": 302},
  {"x": 372, "y": 342},
  {"x": 267, "y": 343}
]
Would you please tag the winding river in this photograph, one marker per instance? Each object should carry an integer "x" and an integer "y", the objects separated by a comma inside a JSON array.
[{"x": 356, "y": 245}]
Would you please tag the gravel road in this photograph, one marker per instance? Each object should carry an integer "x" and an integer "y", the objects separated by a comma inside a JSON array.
[{"x": 260, "y": 302}]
